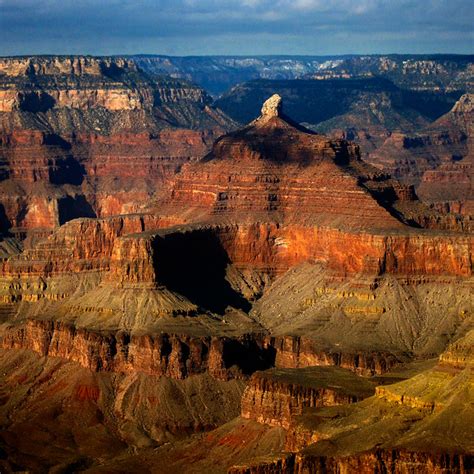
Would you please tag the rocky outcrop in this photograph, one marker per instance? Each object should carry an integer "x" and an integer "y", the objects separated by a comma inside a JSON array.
[
  {"x": 80, "y": 245},
  {"x": 293, "y": 352},
  {"x": 459, "y": 354},
  {"x": 438, "y": 159},
  {"x": 321, "y": 441},
  {"x": 431, "y": 150},
  {"x": 99, "y": 82},
  {"x": 295, "y": 172},
  {"x": 450, "y": 187},
  {"x": 281, "y": 464},
  {"x": 397, "y": 461},
  {"x": 172, "y": 355},
  {"x": 87, "y": 137},
  {"x": 276, "y": 396},
  {"x": 451, "y": 181},
  {"x": 62, "y": 65},
  {"x": 181, "y": 355},
  {"x": 271, "y": 107}
]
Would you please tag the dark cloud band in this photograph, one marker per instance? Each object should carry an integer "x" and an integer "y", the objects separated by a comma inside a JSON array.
[{"x": 235, "y": 26}]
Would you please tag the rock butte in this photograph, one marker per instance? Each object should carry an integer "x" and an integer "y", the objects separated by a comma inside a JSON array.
[
  {"x": 392, "y": 125},
  {"x": 264, "y": 279}
]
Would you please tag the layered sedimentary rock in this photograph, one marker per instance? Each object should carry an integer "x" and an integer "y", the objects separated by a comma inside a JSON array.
[
  {"x": 181, "y": 355},
  {"x": 177, "y": 356},
  {"x": 407, "y": 425},
  {"x": 80, "y": 245},
  {"x": 86, "y": 137},
  {"x": 451, "y": 183},
  {"x": 280, "y": 248},
  {"x": 309, "y": 192},
  {"x": 295, "y": 352},
  {"x": 438, "y": 159},
  {"x": 428, "y": 400},
  {"x": 117, "y": 411},
  {"x": 412, "y": 136},
  {"x": 377, "y": 461},
  {"x": 391, "y": 460},
  {"x": 276, "y": 396}
]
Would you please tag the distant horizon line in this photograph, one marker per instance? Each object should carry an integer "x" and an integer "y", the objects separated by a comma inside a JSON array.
[{"x": 285, "y": 55}]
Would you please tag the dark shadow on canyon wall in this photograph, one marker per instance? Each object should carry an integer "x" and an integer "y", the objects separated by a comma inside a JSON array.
[
  {"x": 72, "y": 207},
  {"x": 36, "y": 101},
  {"x": 194, "y": 264},
  {"x": 5, "y": 223},
  {"x": 67, "y": 169},
  {"x": 248, "y": 356}
]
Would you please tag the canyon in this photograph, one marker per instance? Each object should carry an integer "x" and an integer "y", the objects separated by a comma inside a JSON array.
[
  {"x": 218, "y": 74},
  {"x": 89, "y": 137},
  {"x": 212, "y": 297}
]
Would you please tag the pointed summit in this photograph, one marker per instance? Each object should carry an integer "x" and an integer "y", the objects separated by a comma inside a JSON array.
[
  {"x": 271, "y": 107},
  {"x": 274, "y": 170},
  {"x": 272, "y": 115}
]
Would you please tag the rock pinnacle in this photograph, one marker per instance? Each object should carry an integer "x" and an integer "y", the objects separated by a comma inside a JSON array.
[{"x": 272, "y": 107}]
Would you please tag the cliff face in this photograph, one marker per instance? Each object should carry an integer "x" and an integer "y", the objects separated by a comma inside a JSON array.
[
  {"x": 83, "y": 83},
  {"x": 276, "y": 396},
  {"x": 182, "y": 355},
  {"x": 61, "y": 65},
  {"x": 438, "y": 159},
  {"x": 81, "y": 245},
  {"x": 177, "y": 356},
  {"x": 396, "y": 461},
  {"x": 294, "y": 352},
  {"x": 86, "y": 137},
  {"x": 142, "y": 251},
  {"x": 459, "y": 354}
]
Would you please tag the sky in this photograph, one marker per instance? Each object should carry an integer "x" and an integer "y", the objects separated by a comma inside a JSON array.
[{"x": 235, "y": 27}]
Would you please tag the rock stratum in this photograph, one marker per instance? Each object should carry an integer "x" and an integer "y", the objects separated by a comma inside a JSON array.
[
  {"x": 280, "y": 305},
  {"x": 92, "y": 137},
  {"x": 421, "y": 137}
]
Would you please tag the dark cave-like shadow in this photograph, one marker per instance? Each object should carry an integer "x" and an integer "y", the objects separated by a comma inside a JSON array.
[
  {"x": 248, "y": 355},
  {"x": 194, "y": 264},
  {"x": 5, "y": 223},
  {"x": 68, "y": 170},
  {"x": 36, "y": 101},
  {"x": 72, "y": 207}
]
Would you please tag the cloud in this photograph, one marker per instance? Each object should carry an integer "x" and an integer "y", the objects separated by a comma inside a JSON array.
[{"x": 235, "y": 26}]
